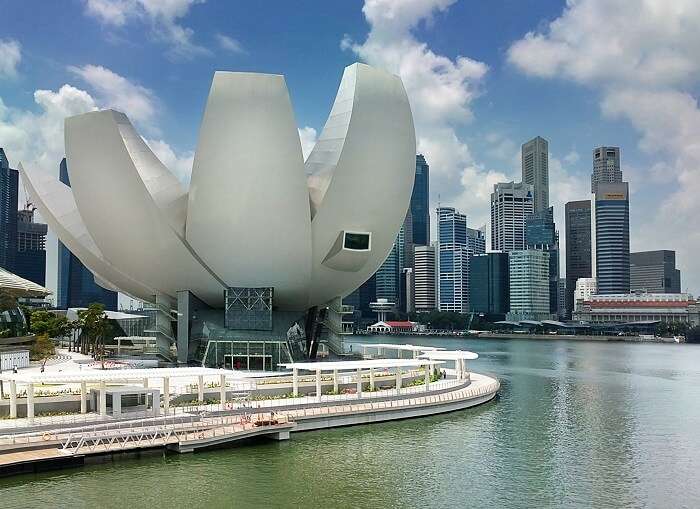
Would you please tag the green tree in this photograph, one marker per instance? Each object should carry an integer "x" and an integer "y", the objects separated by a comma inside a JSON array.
[
  {"x": 41, "y": 349},
  {"x": 48, "y": 323},
  {"x": 95, "y": 327}
]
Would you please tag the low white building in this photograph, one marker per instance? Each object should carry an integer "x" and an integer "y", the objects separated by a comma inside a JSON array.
[
  {"x": 640, "y": 307},
  {"x": 585, "y": 288}
]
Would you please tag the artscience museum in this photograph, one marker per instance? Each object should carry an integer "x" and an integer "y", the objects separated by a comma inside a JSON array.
[{"x": 248, "y": 266}]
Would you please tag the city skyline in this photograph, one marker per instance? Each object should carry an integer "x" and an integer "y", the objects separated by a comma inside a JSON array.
[{"x": 490, "y": 87}]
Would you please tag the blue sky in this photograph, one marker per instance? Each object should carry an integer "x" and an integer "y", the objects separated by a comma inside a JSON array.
[{"x": 483, "y": 76}]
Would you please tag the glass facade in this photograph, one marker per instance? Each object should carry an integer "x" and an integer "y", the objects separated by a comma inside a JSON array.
[
  {"x": 489, "y": 284},
  {"x": 578, "y": 246},
  {"x": 612, "y": 238},
  {"x": 453, "y": 261},
  {"x": 9, "y": 184},
  {"x": 419, "y": 207},
  {"x": 541, "y": 233},
  {"x": 249, "y": 308}
]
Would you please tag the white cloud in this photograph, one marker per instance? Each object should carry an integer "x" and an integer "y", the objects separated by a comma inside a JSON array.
[
  {"x": 307, "y": 135},
  {"x": 440, "y": 90},
  {"x": 115, "y": 91},
  {"x": 644, "y": 66},
  {"x": 229, "y": 43},
  {"x": 163, "y": 17},
  {"x": 179, "y": 164},
  {"x": 10, "y": 57}
]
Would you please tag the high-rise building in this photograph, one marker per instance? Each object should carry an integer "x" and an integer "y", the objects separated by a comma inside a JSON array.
[
  {"x": 31, "y": 247},
  {"x": 654, "y": 272},
  {"x": 9, "y": 187},
  {"x": 489, "y": 287},
  {"x": 561, "y": 297},
  {"x": 419, "y": 207},
  {"x": 585, "y": 288},
  {"x": 529, "y": 284},
  {"x": 76, "y": 284},
  {"x": 606, "y": 166},
  {"x": 610, "y": 240},
  {"x": 577, "y": 216},
  {"x": 453, "y": 261},
  {"x": 535, "y": 168},
  {"x": 541, "y": 233},
  {"x": 424, "y": 278},
  {"x": 476, "y": 240},
  {"x": 511, "y": 203},
  {"x": 387, "y": 277}
]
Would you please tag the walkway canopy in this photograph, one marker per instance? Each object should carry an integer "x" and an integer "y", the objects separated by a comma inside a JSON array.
[
  {"x": 113, "y": 375},
  {"x": 326, "y": 366},
  {"x": 460, "y": 358},
  {"x": 399, "y": 348}
]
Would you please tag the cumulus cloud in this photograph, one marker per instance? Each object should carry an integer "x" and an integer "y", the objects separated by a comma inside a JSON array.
[
  {"x": 162, "y": 16},
  {"x": 645, "y": 67},
  {"x": 10, "y": 56},
  {"x": 441, "y": 90},
  {"x": 115, "y": 91},
  {"x": 179, "y": 163}
]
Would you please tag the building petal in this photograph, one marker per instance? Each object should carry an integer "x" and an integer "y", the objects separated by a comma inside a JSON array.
[
  {"x": 248, "y": 214},
  {"x": 132, "y": 208},
  {"x": 361, "y": 180},
  {"x": 57, "y": 207}
]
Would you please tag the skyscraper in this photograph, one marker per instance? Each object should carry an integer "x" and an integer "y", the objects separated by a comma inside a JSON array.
[
  {"x": 424, "y": 278},
  {"x": 654, "y": 272},
  {"x": 511, "y": 203},
  {"x": 606, "y": 166},
  {"x": 387, "y": 277},
  {"x": 541, "y": 233},
  {"x": 535, "y": 169},
  {"x": 76, "y": 284},
  {"x": 31, "y": 247},
  {"x": 578, "y": 246},
  {"x": 453, "y": 261},
  {"x": 611, "y": 238},
  {"x": 489, "y": 287},
  {"x": 529, "y": 284},
  {"x": 9, "y": 186},
  {"x": 476, "y": 241},
  {"x": 420, "y": 202}
]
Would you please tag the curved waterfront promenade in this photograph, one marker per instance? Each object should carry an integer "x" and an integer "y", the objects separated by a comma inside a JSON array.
[{"x": 71, "y": 443}]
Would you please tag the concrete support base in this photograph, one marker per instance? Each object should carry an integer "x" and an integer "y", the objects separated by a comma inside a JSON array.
[{"x": 282, "y": 435}]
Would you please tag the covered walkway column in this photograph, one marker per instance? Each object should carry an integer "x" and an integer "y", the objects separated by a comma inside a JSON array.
[
  {"x": 428, "y": 370},
  {"x": 371, "y": 378},
  {"x": 13, "y": 399},
  {"x": 166, "y": 395},
  {"x": 359, "y": 383},
  {"x": 83, "y": 397},
  {"x": 103, "y": 398},
  {"x": 335, "y": 381},
  {"x": 295, "y": 382},
  {"x": 222, "y": 389},
  {"x": 30, "y": 402},
  {"x": 398, "y": 377},
  {"x": 200, "y": 388},
  {"x": 318, "y": 384}
]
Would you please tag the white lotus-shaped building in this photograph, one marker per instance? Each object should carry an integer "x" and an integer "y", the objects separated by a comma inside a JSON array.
[{"x": 255, "y": 214}]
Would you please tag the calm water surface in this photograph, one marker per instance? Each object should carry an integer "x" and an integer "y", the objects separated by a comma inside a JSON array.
[{"x": 577, "y": 424}]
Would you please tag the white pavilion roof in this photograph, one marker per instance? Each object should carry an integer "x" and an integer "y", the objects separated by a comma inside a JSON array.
[
  {"x": 114, "y": 375},
  {"x": 450, "y": 355},
  {"x": 393, "y": 346},
  {"x": 364, "y": 364}
]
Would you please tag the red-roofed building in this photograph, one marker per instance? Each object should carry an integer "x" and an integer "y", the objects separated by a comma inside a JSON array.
[{"x": 390, "y": 327}]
